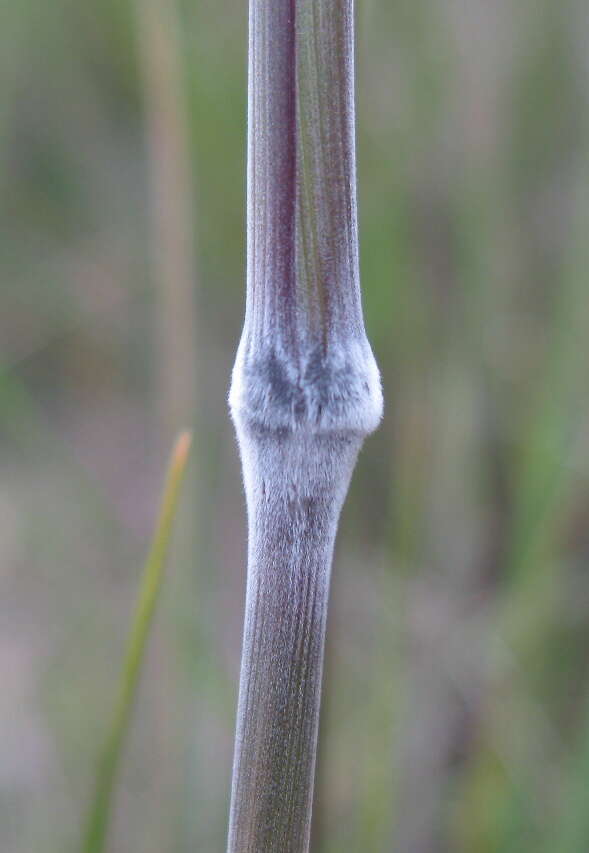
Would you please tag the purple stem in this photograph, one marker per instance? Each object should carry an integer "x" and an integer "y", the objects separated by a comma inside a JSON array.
[{"x": 305, "y": 393}]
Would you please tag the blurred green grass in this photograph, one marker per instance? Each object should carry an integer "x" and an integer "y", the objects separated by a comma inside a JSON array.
[{"x": 457, "y": 686}]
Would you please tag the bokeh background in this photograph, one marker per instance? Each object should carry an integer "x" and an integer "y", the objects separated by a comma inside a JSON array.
[{"x": 456, "y": 712}]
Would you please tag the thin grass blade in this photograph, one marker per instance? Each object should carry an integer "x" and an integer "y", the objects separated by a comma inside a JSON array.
[{"x": 100, "y": 810}]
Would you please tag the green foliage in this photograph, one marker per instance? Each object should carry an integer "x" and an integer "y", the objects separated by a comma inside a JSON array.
[{"x": 151, "y": 582}]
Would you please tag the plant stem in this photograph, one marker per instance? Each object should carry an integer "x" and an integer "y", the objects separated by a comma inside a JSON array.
[
  {"x": 305, "y": 392},
  {"x": 175, "y": 282},
  {"x": 173, "y": 213}
]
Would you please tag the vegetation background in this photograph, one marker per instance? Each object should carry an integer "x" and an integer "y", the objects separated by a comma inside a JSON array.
[{"x": 456, "y": 712}]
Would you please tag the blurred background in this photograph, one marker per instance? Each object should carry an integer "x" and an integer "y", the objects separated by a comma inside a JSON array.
[{"x": 456, "y": 712}]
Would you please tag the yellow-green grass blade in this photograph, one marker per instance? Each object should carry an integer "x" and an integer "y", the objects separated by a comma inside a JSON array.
[{"x": 98, "y": 818}]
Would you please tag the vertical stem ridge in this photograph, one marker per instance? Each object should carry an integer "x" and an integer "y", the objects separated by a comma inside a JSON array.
[
  {"x": 303, "y": 279},
  {"x": 271, "y": 165}
]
